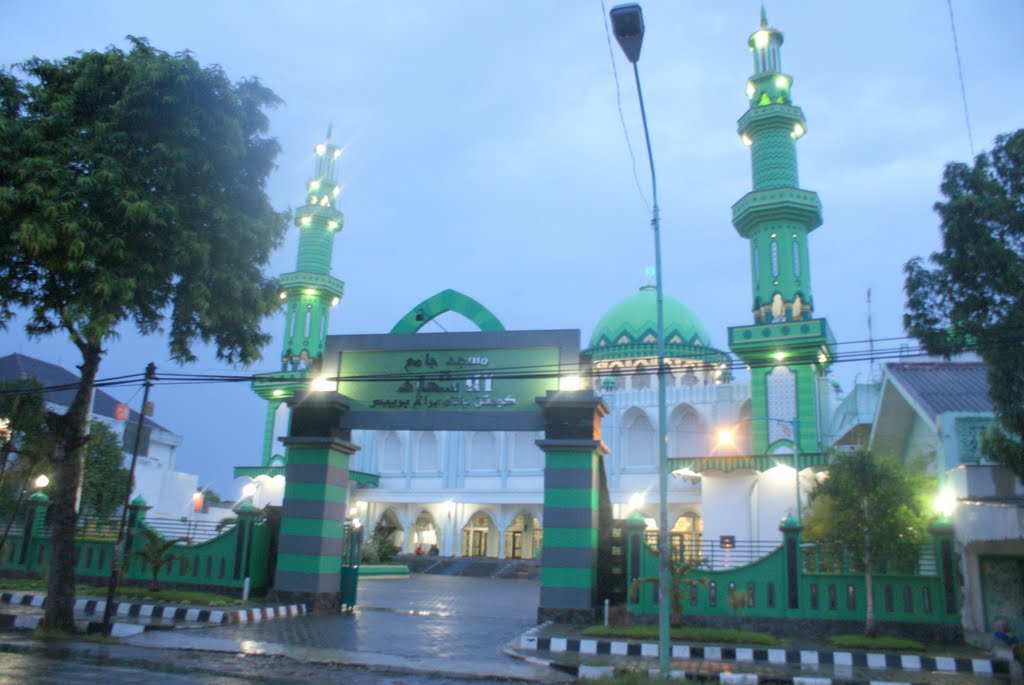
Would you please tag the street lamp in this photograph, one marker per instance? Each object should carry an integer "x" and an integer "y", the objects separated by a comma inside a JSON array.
[{"x": 628, "y": 27}]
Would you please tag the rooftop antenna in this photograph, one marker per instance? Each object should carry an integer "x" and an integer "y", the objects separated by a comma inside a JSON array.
[{"x": 871, "y": 341}]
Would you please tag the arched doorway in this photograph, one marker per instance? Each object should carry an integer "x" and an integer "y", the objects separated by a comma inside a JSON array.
[
  {"x": 523, "y": 537},
  {"x": 480, "y": 536},
  {"x": 689, "y": 528},
  {"x": 389, "y": 529},
  {"x": 424, "y": 534}
]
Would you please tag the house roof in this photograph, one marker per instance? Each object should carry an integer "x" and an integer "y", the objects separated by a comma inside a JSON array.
[
  {"x": 940, "y": 387},
  {"x": 20, "y": 367}
]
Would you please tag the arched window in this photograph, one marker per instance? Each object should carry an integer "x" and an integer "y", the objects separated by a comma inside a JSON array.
[
  {"x": 427, "y": 452},
  {"x": 392, "y": 457},
  {"x": 686, "y": 433},
  {"x": 641, "y": 377},
  {"x": 639, "y": 443},
  {"x": 483, "y": 452}
]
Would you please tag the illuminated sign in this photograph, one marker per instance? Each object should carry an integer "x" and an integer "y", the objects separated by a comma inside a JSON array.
[{"x": 451, "y": 381}]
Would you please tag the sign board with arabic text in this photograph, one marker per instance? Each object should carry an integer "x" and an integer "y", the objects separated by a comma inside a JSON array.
[{"x": 486, "y": 380}]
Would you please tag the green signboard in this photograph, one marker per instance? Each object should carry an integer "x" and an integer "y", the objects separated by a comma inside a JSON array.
[
  {"x": 451, "y": 381},
  {"x": 462, "y": 380}
]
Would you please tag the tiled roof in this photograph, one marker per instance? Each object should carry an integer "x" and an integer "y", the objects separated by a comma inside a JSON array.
[
  {"x": 940, "y": 387},
  {"x": 21, "y": 367}
]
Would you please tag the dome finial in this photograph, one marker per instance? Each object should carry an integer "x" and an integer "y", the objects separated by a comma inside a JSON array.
[
  {"x": 650, "y": 273},
  {"x": 330, "y": 125},
  {"x": 764, "y": 16}
]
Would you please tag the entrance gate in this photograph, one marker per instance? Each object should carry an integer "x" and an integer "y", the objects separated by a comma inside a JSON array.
[{"x": 487, "y": 380}]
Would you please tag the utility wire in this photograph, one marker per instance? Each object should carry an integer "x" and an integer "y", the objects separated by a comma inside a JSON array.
[{"x": 960, "y": 73}]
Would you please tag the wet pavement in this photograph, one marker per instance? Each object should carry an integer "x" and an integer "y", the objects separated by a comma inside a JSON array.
[{"x": 421, "y": 630}]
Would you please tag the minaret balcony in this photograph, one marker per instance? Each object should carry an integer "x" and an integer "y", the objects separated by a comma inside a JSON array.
[
  {"x": 778, "y": 205},
  {"x": 329, "y": 286},
  {"x": 801, "y": 342},
  {"x": 775, "y": 114}
]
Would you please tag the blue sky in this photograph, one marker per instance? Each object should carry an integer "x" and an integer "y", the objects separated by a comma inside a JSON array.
[{"x": 484, "y": 152}]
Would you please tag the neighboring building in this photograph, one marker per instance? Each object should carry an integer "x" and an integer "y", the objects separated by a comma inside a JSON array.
[
  {"x": 938, "y": 411},
  {"x": 167, "y": 491}
]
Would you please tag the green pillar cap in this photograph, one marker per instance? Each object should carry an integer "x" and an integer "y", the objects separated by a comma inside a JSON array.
[
  {"x": 790, "y": 522},
  {"x": 942, "y": 525},
  {"x": 246, "y": 507},
  {"x": 138, "y": 502},
  {"x": 39, "y": 498},
  {"x": 636, "y": 519}
]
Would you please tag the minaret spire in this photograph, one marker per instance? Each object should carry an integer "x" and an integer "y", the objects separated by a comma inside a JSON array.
[
  {"x": 775, "y": 223},
  {"x": 787, "y": 347},
  {"x": 309, "y": 292}
]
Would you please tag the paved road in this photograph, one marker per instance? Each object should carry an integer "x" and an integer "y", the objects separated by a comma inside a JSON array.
[
  {"x": 439, "y": 617},
  {"x": 424, "y": 625}
]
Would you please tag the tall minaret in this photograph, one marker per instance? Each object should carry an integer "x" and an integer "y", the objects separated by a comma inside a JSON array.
[
  {"x": 309, "y": 292},
  {"x": 787, "y": 348}
]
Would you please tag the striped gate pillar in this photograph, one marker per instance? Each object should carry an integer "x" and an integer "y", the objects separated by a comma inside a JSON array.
[
  {"x": 315, "y": 503},
  {"x": 572, "y": 494}
]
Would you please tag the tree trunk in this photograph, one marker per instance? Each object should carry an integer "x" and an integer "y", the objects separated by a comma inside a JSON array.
[{"x": 70, "y": 433}]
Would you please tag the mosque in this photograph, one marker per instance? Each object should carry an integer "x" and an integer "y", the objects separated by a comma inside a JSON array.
[
  {"x": 480, "y": 493},
  {"x": 744, "y": 454}
]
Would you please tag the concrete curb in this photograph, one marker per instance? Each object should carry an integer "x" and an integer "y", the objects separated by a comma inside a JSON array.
[
  {"x": 139, "y": 611},
  {"x": 760, "y": 656}
]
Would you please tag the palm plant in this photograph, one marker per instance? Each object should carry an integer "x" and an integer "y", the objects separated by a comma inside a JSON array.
[{"x": 156, "y": 554}]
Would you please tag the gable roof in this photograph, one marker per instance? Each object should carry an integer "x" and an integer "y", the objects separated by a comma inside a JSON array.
[
  {"x": 20, "y": 367},
  {"x": 940, "y": 387}
]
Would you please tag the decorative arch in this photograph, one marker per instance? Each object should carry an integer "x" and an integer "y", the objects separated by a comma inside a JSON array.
[
  {"x": 687, "y": 434},
  {"x": 448, "y": 301},
  {"x": 480, "y": 535},
  {"x": 639, "y": 441}
]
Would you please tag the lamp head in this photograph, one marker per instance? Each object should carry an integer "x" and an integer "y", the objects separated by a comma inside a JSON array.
[{"x": 628, "y": 27}]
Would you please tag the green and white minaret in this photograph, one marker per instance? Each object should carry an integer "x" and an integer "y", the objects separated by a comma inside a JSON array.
[
  {"x": 787, "y": 348},
  {"x": 308, "y": 293}
]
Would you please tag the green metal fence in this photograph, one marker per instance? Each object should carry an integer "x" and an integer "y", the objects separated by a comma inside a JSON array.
[
  {"x": 790, "y": 581},
  {"x": 221, "y": 563}
]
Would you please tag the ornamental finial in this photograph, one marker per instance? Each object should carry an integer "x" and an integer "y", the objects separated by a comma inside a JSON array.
[{"x": 764, "y": 16}]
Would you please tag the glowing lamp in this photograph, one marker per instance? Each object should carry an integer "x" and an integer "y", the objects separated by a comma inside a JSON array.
[
  {"x": 249, "y": 490},
  {"x": 305, "y": 220},
  {"x": 746, "y": 140},
  {"x": 945, "y": 502},
  {"x": 41, "y": 482},
  {"x": 750, "y": 89},
  {"x": 798, "y": 130},
  {"x": 782, "y": 82},
  {"x": 335, "y": 301},
  {"x": 779, "y": 356},
  {"x": 636, "y": 500},
  {"x": 761, "y": 39},
  {"x": 321, "y": 149},
  {"x": 277, "y": 393},
  {"x": 570, "y": 383}
]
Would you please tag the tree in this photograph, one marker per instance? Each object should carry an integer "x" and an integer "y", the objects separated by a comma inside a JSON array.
[
  {"x": 104, "y": 479},
  {"x": 24, "y": 446},
  {"x": 156, "y": 554},
  {"x": 874, "y": 507},
  {"x": 132, "y": 194},
  {"x": 973, "y": 298}
]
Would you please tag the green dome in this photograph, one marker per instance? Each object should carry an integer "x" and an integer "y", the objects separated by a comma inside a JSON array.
[{"x": 629, "y": 329}]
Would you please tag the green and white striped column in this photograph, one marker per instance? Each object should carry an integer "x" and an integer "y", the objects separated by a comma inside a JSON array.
[
  {"x": 572, "y": 495},
  {"x": 315, "y": 503}
]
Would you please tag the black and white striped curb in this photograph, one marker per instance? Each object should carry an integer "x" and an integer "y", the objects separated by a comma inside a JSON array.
[
  {"x": 780, "y": 657},
  {"x": 157, "y": 611}
]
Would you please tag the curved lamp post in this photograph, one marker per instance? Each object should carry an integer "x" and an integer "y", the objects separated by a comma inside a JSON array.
[{"x": 628, "y": 27}]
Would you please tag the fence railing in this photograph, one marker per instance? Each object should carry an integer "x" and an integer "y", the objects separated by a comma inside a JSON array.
[
  {"x": 224, "y": 559},
  {"x": 797, "y": 581}
]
